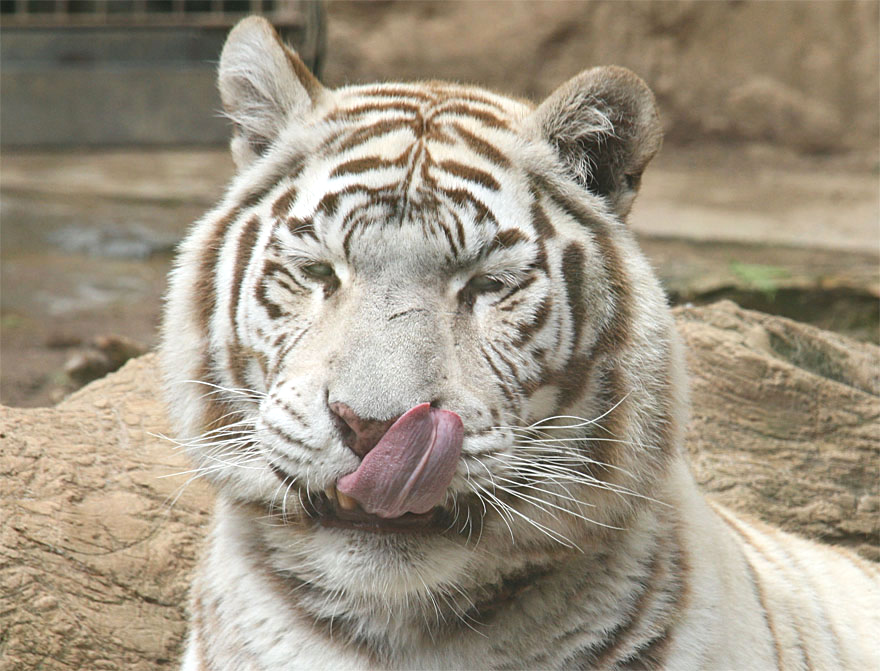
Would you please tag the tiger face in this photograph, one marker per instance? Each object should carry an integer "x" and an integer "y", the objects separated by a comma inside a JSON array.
[{"x": 416, "y": 333}]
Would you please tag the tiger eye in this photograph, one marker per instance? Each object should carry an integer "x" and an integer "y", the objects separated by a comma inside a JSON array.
[
  {"x": 321, "y": 271},
  {"x": 483, "y": 284}
]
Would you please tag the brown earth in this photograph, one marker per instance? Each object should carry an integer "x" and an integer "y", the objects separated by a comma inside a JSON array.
[{"x": 97, "y": 546}]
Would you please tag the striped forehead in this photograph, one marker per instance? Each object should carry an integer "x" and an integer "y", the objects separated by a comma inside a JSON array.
[
  {"x": 435, "y": 156},
  {"x": 408, "y": 136}
]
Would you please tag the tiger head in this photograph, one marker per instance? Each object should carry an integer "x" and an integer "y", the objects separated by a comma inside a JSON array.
[{"x": 416, "y": 333}]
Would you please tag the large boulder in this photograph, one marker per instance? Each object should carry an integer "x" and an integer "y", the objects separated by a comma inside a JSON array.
[
  {"x": 785, "y": 422},
  {"x": 97, "y": 546}
]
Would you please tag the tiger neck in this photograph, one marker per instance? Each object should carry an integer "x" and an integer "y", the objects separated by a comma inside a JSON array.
[{"x": 632, "y": 582}]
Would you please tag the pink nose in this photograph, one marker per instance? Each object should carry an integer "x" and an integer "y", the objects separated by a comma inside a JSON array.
[{"x": 359, "y": 434}]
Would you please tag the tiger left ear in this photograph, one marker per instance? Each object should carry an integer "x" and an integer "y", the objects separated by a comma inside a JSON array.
[
  {"x": 605, "y": 129},
  {"x": 264, "y": 85}
]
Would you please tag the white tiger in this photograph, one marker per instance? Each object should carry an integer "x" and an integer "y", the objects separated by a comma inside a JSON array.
[{"x": 440, "y": 396}]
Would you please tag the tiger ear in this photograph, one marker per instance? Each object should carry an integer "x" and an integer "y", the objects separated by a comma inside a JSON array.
[
  {"x": 263, "y": 85},
  {"x": 605, "y": 129}
]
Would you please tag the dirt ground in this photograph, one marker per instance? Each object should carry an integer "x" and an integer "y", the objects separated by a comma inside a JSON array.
[{"x": 766, "y": 190}]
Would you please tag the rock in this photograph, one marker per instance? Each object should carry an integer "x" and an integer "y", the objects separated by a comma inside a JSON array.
[
  {"x": 97, "y": 547},
  {"x": 105, "y": 355},
  {"x": 785, "y": 420},
  {"x": 96, "y": 543}
]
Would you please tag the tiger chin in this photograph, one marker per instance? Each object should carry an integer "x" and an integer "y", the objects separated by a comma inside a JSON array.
[{"x": 440, "y": 396}]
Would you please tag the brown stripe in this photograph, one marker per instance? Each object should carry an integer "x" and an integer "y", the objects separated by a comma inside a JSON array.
[
  {"x": 606, "y": 655},
  {"x": 261, "y": 291},
  {"x": 514, "y": 371},
  {"x": 246, "y": 242},
  {"x": 482, "y": 147},
  {"x": 513, "y": 291},
  {"x": 281, "y": 207},
  {"x": 204, "y": 287},
  {"x": 239, "y": 358},
  {"x": 351, "y": 113},
  {"x": 363, "y": 135},
  {"x": 301, "y": 228},
  {"x": 505, "y": 389},
  {"x": 281, "y": 433},
  {"x": 447, "y": 234},
  {"x": 285, "y": 583},
  {"x": 436, "y": 133},
  {"x": 463, "y": 199},
  {"x": 284, "y": 405},
  {"x": 573, "y": 278},
  {"x": 398, "y": 92},
  {"x": 459, "y": 229},
  {"x": 359, "y": 166},
  {"x": 572, "y": 380},
  {"x": 462, "y": 109},
  {"x": 540, "y": 222},
  {"x": 278, "y": 271},
  {"x": 214, "y": 413},
  {"x": 614, "y": 335},
  {"x": 653, "y": 656},
  {"x": 506, "y": 238},
  {"x": 453, "y": 93},
  {"x": 756, "y": 583},
  {"x": 501, "y": 596},
  {"x": 471, "y": 174},
  {"x": 528, "y": 330},
  {"x": 279, "y": 360}
]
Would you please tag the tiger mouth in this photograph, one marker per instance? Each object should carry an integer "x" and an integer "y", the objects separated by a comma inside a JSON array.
[
  {"x": 333, "y": 509},
  {"x": 336, "y": 510}
]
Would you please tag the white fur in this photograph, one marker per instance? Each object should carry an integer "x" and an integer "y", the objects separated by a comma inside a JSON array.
[{"x": 276, "y": 590}]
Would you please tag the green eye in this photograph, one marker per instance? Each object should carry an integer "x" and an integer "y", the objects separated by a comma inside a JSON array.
[
  {"x": 321, "y": 271},
  {"x": 484, "y": 284}
]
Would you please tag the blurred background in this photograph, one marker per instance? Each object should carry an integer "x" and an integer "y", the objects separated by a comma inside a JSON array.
[{"x": 767, "y": 190}]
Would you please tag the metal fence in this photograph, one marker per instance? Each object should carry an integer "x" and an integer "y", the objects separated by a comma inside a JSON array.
[
  {"x": 44, "y": 13},
  {"x": 119, "y": 72}
]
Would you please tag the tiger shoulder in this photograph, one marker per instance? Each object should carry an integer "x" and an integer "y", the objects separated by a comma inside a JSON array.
[{"x": 439, "y": 394}]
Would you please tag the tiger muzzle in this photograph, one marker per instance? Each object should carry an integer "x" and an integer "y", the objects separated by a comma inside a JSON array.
[{"x": 410, "y": 467}]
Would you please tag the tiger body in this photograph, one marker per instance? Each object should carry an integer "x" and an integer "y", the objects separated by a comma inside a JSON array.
[{"x": 433, "y": 252}]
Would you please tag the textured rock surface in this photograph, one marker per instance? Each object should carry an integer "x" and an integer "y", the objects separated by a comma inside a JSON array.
[
  {"x": 95, "y": 551},
  {"x": 96, "y": 547},
  {"x": 786, "y": 422}
]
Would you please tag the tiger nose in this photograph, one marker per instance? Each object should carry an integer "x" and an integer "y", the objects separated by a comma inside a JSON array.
[{"x": 359, "y": 435}]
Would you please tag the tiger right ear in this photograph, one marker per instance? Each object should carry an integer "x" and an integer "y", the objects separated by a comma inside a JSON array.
[
  {"x": 263, "y": 85},
  {"x": 604, "y": 127}
]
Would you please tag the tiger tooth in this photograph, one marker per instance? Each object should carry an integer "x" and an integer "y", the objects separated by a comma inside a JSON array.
[
  {"x": 346, "y": 502},
  {"x": 330, "y": 491}
]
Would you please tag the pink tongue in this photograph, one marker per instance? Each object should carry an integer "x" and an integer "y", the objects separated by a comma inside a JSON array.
[{"x": 412, "y": 465}]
